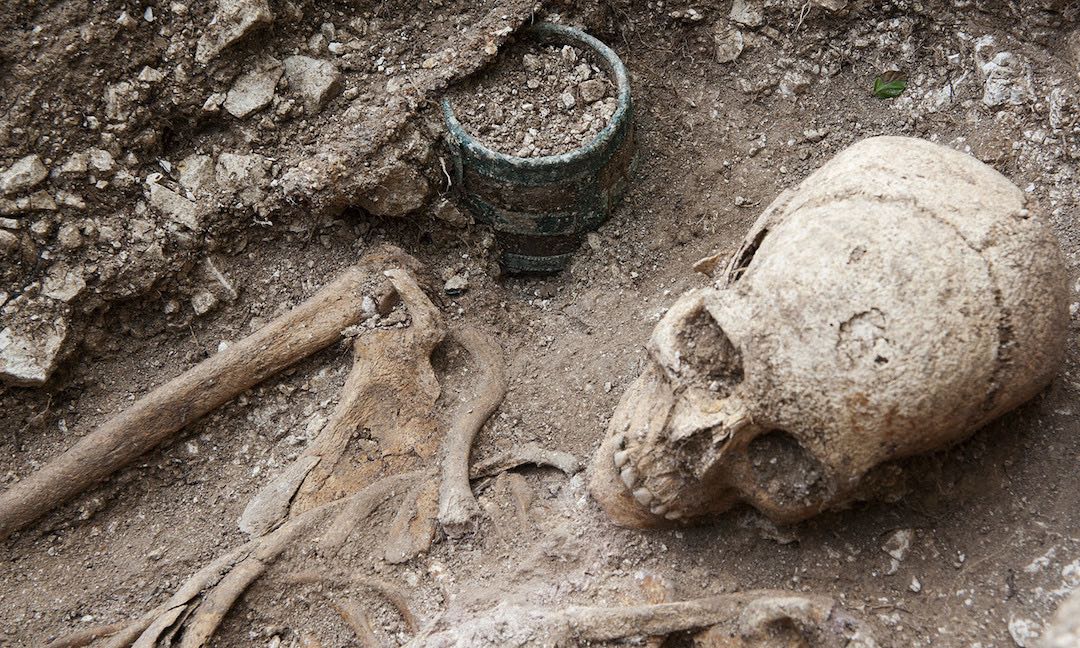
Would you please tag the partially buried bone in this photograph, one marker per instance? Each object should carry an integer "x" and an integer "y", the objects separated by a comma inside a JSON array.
[
  {"x": 164, "y": 411},
  {"x": 898, "y": 299},
  {"x": 752, "y": 619},
  {"x": 1063, "y": 631}
]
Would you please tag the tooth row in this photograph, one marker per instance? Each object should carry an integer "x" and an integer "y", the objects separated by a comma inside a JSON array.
[
  {"x": 656, "y": 506},
  {"x": 643, "y": 496},
  {"x": 621, "y": 457},
  {"x": 629, "y": 476}
]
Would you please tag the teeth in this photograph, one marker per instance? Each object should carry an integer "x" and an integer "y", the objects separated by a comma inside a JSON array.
[
  {"x": 629, "y": 476},
  {"x": 621, "y": 457},
  {"x": 672, "y": 515},
  {"x": 659, "y": 509},
  {"x": 643, "y": 496}
]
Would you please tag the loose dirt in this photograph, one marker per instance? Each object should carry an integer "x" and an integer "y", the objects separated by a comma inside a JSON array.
[
  {"x": 995, "y": 538},
  {"x": 536, "y": 100}
]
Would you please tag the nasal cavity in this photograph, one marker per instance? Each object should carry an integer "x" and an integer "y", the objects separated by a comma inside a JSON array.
[{"x": 707, "y": 351}]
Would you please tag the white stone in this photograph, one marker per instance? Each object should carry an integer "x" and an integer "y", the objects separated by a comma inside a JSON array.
[
  {"x": 401, "y": 190},
  {"x": 315, "y": 80},
  {"x": 203, "y": 302},
  {"x": 174, "y": 206},
  {"x": 1023, "y": 631},
  {"x": 30, "y": 350},
  {"x": 76, "y": 164},
  {"x": 457, "y": 284},
  {"x": 101, "y": 160},
  {"x": 25, "y": 173},
  {"x": 213, "y": 103},
  {"x": 150, "y": 75},
  {"x": 728, "y": 42},
  {"x": 750, "y": 13},
  {"x": 68, "y": 199},
  {"x": 233, "y": 20},
  {"x": 1008, "y": 81},
  {"x": 69, "y": 237},
  {"x": 37, "y": 201},
  {"x": 899, "y": 543},
  {"x": 9, "y": 243},
  {"x": 592, "y": 90},
  {"x": 120, "y": 98},
  {"x": 448, "y": 212},
  {"x": 197, "y": 174},
  {"x": 253, "y": 90},
  {"x": 63, "y": 283},
  {"x": 794, "y": 83},
  {"x": 242, "y": 176},
  {"x": 1007, "y": 77}
]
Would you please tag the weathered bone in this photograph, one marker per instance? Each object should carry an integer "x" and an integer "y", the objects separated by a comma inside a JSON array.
[
  {"x": 526, "y": 453},
  {"x": 169, "y": 408},
  {"x": 202, "y": 601},
  {"x": 390, "y": 392},
  {"x": 1063, "y": 631},
  {"x": 753, "y": 619},
  {"x": 458, "y": 510},
  {"x": 898, "y": 299}
]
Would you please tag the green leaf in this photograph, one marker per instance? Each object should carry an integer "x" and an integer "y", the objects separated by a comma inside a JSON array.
[{"x": 889, "y": 89}]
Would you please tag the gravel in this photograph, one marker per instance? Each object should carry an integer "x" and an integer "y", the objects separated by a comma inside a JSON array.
[{"x": 537, "y": 100}]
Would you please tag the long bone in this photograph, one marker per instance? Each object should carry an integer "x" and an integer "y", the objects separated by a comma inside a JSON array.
[{"x": 158, "y": 416}]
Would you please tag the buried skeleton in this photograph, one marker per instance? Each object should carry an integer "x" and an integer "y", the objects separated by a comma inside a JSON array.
[
  {"x": 729, "y": 410},
  {"x": 178, "y": 179}
]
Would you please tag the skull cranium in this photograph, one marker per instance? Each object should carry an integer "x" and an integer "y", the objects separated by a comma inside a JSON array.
[{"x": 899, "y": 298}]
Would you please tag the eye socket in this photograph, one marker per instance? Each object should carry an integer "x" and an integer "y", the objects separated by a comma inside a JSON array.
[
  {"x": 781, "y": 467},
  {"x": 707, "y": 351}
]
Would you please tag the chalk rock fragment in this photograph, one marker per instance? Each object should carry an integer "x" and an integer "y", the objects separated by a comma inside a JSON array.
[
  {"x": 402, "y": 190},
  {"x": 253, "y": 90},
  {"x": 233, "y": 20},
  {"x": 177, "y": 208},
  {"x": 315, "y": 80},
  {"x": 32, "y": 335},
  {"x": 25, "y": 173}
]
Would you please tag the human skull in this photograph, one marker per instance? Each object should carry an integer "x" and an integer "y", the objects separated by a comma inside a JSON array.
[{"x": 899, "y": 298}]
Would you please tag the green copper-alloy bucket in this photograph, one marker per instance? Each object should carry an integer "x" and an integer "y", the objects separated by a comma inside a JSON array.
[{"x": 541, "y": 208}]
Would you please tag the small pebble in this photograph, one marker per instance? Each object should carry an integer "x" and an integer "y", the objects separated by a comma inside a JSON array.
[{"x": 457, "y": 285}]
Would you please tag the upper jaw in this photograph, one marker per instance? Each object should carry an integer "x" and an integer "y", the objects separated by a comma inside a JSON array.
[
  {"x": 647, "y": 402},
  {"x": 661, "y": 461}
]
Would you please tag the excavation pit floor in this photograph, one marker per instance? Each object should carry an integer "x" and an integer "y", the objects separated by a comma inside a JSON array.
[{"x": 995, "y": 535}]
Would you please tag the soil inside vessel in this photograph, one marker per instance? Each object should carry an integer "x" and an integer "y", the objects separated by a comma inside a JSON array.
[{"x": 536, "y": 100}]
